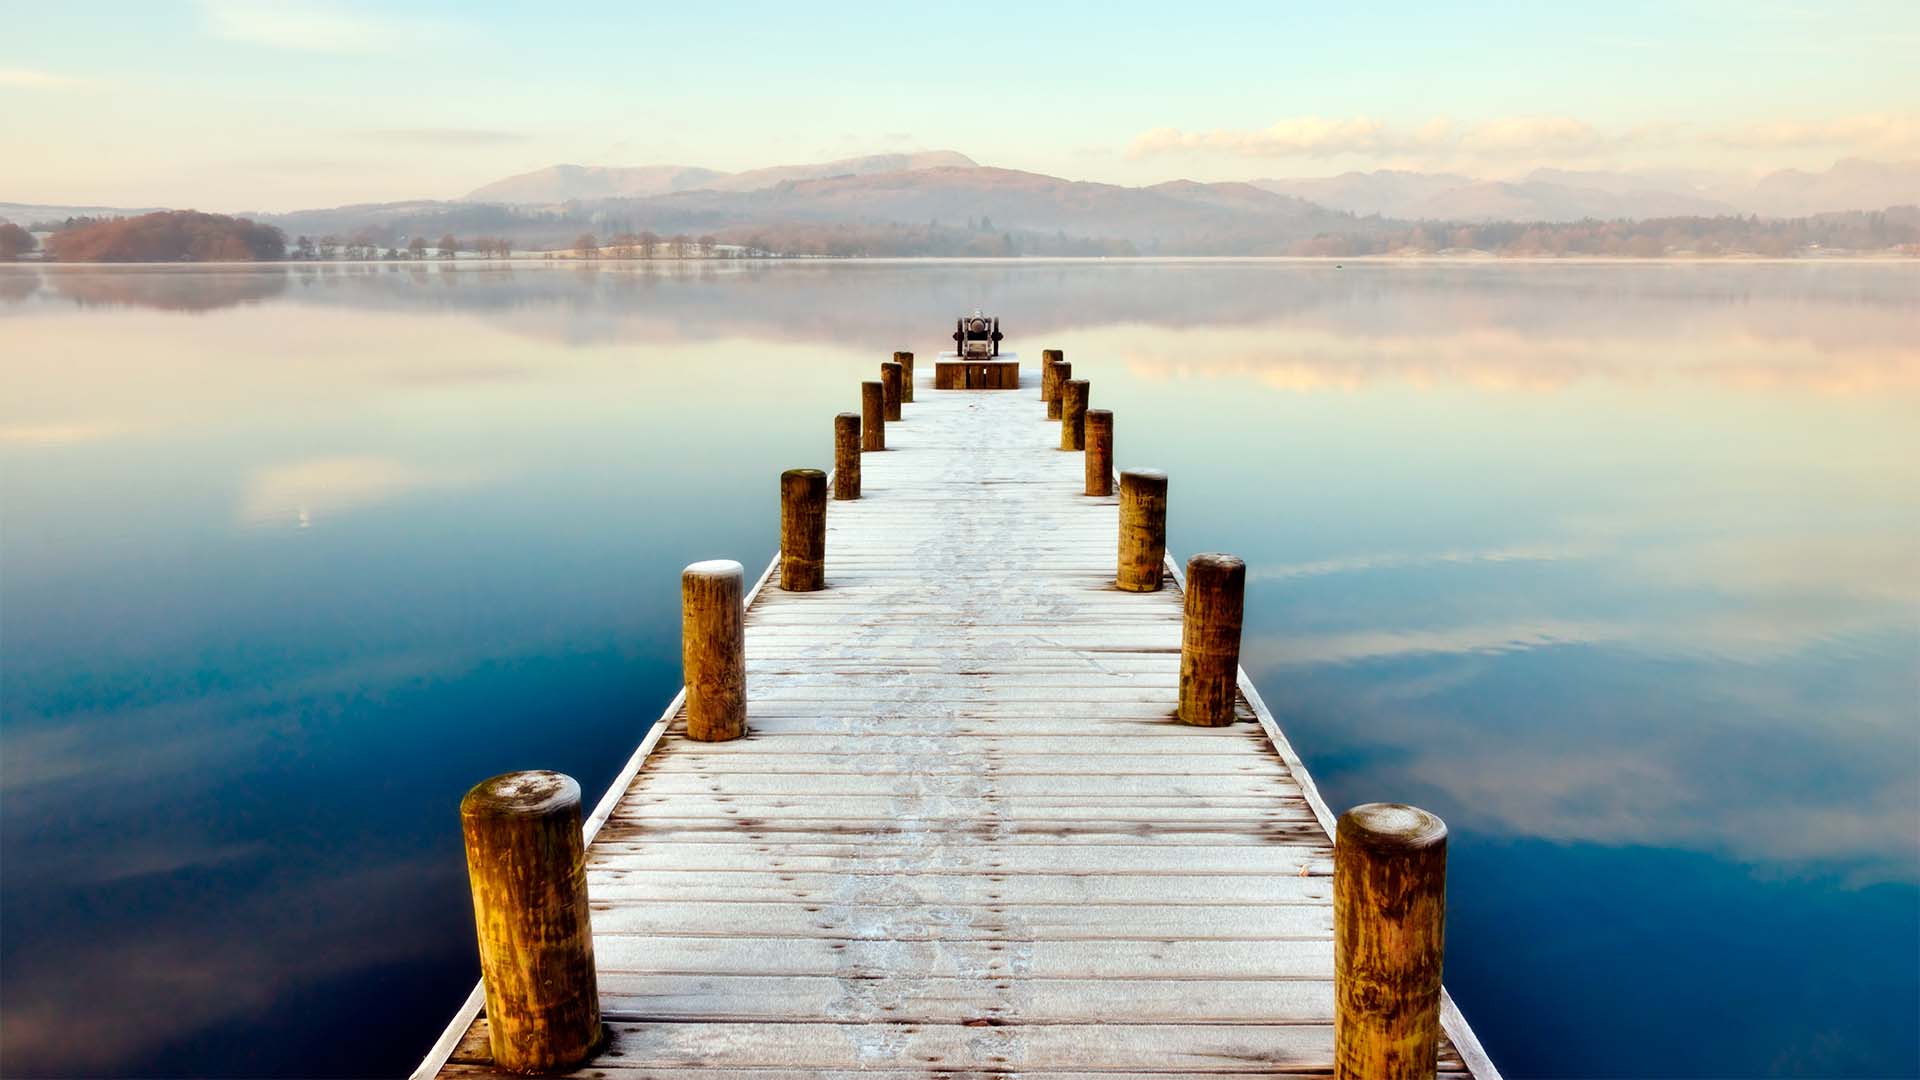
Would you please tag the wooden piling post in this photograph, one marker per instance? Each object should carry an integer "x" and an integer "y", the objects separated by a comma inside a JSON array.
[
  {"x": 1210, "y": 639},
  {"x": 1099, "y": 446},
  {"x": 526, "y": 865},
  {"x": 1073, "y": 414},
  {"x": 803, "y": 530},
  {"x": 846, "y": 456},
  {"x": 713, "y": 649},
  {"x": 1143, "y": 529},
  {"x": 873, "y": 417},
  {"x": 1389, "y": 917},
  {"x": 1048, "y": 357},
  {"x": 1060, "y": 371},
  {"x": 890, "y": 388},
  {"x": 905, "y": 360}
]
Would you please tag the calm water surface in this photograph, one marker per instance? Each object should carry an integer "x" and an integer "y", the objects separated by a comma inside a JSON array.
[{"x": 1616, "y": 567}]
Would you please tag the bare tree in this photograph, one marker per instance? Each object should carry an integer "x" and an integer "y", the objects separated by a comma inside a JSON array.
[
  {"x": 680, "y": 243},
  {"x": 649, "y": 240},
  {"x": 417, "y": 247},
  {"x": 587, "y": 245},
  {"x": 448, "y": 245},
  {"x": 707, "y": 244}
]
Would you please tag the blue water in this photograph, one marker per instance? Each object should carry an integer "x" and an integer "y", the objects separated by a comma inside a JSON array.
[{"x": 1616, "y": 567}]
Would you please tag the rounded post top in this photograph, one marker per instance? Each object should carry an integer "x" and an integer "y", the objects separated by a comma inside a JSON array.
[
  {"x": 714, "y": 568},
  {"x": 1105, "y": 414},
  {"x": 1145, "y": 480},
  {"x": 853, "y": 416},
  {"x": 801, "y": 474},
  {"x": 1216, "y": 562},
  {"x": 1392, "y": 826},
  {"x": 533, "y": 793}
]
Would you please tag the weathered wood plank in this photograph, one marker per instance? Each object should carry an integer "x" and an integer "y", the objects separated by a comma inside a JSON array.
[
  {"x": 1155, "y": 890},
  {"x": 1297, "y": 1049}
]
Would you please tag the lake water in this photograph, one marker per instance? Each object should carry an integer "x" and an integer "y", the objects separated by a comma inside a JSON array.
[{"x": 1616, "y": 567}]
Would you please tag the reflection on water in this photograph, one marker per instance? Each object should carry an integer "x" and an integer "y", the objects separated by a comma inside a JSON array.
[{"x": 1613, "y": 566}]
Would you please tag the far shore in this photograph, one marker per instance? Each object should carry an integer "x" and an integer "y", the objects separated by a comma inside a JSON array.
[{"x": 573, "y": 261}]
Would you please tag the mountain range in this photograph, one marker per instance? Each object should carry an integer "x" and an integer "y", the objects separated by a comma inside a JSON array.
[
  {"x": 560, "y": 183},
  {"x": 1554, "y": 195},
  {"x": 942, "y": 202},
  {"x": 1563, "y": 195}
]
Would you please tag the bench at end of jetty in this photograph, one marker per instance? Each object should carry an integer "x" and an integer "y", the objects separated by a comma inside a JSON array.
[{"x": 953, "y": 372}]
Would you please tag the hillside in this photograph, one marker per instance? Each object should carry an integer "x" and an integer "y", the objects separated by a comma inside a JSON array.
[
  {"x": 558, "y": 183},
  {"x": 565, "y": 183},
  {"x": 1559, "y": 195},
  {"x": 1183, "y": 216}
]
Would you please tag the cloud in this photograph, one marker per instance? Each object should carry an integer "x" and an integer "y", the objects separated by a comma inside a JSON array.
[
  {"x": 1531, "y": 137},
  {"x": 312, "y": 27},
  {"x": 445, "y": 136},
  {"x": 55, "y": 434},
  {"x": 1319, "y": 136},
  {"x": 1304, "y": 136},
  {"x": 1895, "y": 133},
  {"x": 31, "y": 79}
]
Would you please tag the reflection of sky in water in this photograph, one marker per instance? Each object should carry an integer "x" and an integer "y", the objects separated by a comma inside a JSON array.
[{"x": 1613, "y": 566}]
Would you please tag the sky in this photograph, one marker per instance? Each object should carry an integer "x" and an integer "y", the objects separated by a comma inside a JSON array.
[{"x": 276, "y": 105}]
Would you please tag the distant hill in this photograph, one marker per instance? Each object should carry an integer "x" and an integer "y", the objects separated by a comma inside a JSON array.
[
  {"x": 564, "y": 183},
  {"x": 42, "y": 213},
  {"x": 1851, "y": 184},
  {"x": 1449, "y": 197},
  {"x": 559, "y": 183},
  {"x": 1184, "y": 216},
  {"x": 1560, "y": 195}
]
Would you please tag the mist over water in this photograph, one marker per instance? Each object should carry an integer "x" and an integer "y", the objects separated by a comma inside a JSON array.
[{"x": 1616, "y": 567}]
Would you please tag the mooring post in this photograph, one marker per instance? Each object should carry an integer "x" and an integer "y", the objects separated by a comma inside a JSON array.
[
  {"x": 846, "y": 456},
  {"x": 803, "y": 530},
  {"x": 1143, "y": 529},
  {"x": 873, "y": 417},
  {"x": 1099, "y": 444},
  {"x": 1210, "y": 639},
  {"x": 1389, "y": 918},
  {"x": 1059, "y": 371},
  {"x": 713, "y": 649},
  {"x": 527, "y": 868},
  {"x": 905, "y": 360},
  {"x": 890, "y": 372},
  {"x": 1073, "y": 414},
  {"x": 1048, "y": 358}
]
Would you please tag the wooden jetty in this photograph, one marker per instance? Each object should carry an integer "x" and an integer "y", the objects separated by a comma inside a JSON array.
[{"x": 964, "y": 833}]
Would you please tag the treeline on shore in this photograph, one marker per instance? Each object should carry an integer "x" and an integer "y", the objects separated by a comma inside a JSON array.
[{"x": 186, "y": 235}]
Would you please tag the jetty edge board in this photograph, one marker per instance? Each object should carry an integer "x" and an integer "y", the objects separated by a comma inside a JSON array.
[{"x": 963, "y": 833}]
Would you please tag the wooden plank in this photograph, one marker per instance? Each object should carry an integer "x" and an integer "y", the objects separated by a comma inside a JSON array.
[
  {"x": 967, "y": 858},
  {"x": 1155, "y": 890},
  {"x": 917, "y": 922},
  {"x": 909, "y": 784},
  {"x": 923, "y": 1000},
  {"x": 1297, "y": 1049}
]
